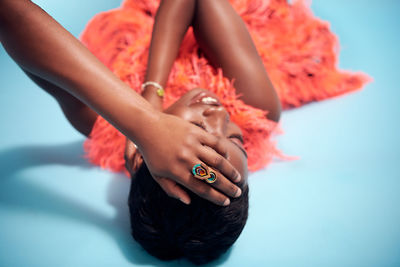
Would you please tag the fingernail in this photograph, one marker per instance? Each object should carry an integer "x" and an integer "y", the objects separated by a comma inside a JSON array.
[
  {"x": 238, "y": 177},
  {"x": 238, "y": 192},
  {"x": 227, "y": 202},
  {"x": 184, "y": 201}
]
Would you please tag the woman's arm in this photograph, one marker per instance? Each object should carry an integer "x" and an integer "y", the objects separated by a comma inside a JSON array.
[
  {"x": 44, "y": 48},
  {"x": 172, "y": 20},
  {"x": 224, "y": 38}
]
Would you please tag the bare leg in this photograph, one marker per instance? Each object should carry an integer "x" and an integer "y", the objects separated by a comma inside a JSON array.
[
  {"x": 80, "y": 116},
  {"x": 225, "y": 40}
]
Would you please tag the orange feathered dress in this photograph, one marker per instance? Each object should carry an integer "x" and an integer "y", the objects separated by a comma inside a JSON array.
[{"x": 298, "y": 50}]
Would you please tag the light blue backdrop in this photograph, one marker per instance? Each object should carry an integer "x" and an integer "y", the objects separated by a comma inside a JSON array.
[{"x": 336, "y": 206}]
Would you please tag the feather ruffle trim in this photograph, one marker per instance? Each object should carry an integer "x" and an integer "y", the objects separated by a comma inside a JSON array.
[{"x": 298, "y": 50}]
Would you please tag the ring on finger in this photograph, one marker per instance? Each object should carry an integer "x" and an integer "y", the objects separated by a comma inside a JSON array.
[{"x": 204, "y": 173}]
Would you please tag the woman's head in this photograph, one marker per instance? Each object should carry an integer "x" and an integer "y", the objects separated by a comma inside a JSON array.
[
  {"x": 201, "y": 231},
  {"x": 202, "y": 108},
  {"x": 168, "y": 229}
]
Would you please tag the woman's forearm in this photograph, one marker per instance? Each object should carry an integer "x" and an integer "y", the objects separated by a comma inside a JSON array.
[
  {"x": 44, "y": 48},
  {"x": 171, "y": 23}
]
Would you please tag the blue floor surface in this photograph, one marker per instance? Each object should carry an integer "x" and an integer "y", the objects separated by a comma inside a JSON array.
[{"x": 336, "y": 206}]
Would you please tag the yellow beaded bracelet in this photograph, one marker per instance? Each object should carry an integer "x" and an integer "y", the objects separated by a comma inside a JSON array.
[{"x": 160, "y": 89}]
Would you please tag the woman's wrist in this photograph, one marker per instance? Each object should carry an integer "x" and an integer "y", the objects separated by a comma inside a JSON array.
[{"x": 150, "y": 93}]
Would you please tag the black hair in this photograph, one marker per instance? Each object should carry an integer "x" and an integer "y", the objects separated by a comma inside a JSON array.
[{"x": 168, "y": 229}]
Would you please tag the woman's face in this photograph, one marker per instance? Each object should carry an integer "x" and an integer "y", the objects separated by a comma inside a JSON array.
[{"x": 202, "y": 108}]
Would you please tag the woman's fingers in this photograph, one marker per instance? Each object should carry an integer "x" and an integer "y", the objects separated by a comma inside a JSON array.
[
  {"x": 218, "y": 162},
  {"x": 215, "y": 143},
  {"x": 225, "y": 186},
  {"x": 204, "y": 190},
  {"x": 178, "y": 149},
  {"x": 215, "y": 179},
  {"x": 173, "y": 189}
]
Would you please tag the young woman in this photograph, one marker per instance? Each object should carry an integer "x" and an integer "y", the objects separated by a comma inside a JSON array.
[
  {"x": 242, "y": 115},
  {"x": 199, "y": 107},
  {"x": 202, "y": 231}
]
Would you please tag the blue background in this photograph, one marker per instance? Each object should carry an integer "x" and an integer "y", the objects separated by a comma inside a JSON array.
[{"x": 336, "y": 206}]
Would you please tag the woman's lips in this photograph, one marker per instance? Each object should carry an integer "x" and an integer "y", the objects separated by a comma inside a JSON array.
[{"x": 205, "y": 97}]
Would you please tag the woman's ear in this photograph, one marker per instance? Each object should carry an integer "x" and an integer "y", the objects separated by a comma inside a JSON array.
[
  {"x": 137, "y": 161},
  {"x": 132, "y": 156}
]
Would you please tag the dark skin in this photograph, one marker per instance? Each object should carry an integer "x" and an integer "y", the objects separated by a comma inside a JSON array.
[
  {"x": 210, "y": 117},
  {"x": 57, "y": 61},
  {"x": 223, "y": 37},
  {"x": 81, "y": 117},
  {"x": 225, "y": 40},
  {"x": 216, "y": 26},
  {"x": 215, "y": 119}
]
